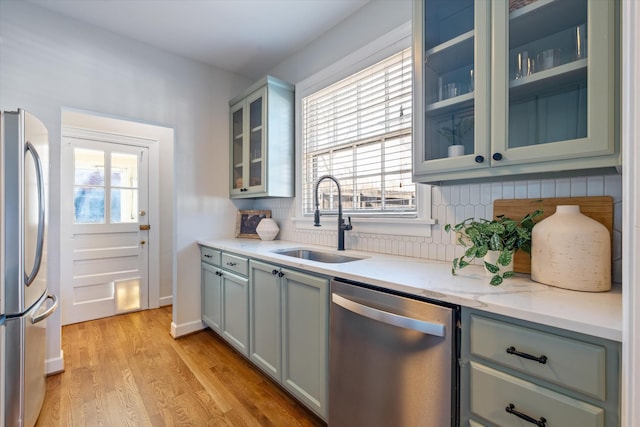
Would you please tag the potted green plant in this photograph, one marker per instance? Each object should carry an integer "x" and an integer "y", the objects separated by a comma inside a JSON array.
[
  {"x": 456, "y": 134},
  {"x": 500, "y": 237}
]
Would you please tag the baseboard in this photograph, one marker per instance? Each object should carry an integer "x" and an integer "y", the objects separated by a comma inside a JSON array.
[
  {"x": 186, "y": 328},
  {"x": 166, "y": 300},
  {"x": 54, "y": 365}
]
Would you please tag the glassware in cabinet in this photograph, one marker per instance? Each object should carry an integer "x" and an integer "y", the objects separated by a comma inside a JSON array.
[
  {"x": 548, "y": 87},
  {"x": 449, "y": 78}
]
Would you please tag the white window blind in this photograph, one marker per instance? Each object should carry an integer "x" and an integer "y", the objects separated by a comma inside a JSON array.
[{"x": 359, "y": 131}]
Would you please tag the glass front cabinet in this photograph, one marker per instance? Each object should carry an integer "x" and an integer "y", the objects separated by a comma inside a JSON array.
[
  {"x": 261, "y": 137},
  {"x": 514, "y": 87}
]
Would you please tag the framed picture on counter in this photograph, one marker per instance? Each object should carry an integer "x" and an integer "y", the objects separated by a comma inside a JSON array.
[{"x": 247, "y": 222}]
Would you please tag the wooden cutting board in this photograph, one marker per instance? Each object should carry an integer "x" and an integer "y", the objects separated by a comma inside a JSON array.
[{"x": 599, "y": 208}]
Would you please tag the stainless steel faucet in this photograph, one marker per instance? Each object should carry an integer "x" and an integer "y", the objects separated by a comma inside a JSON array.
[{"x": 342, "y": 227}]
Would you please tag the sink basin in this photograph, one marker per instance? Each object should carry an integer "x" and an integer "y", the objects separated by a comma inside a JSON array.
[{"x": 318, "y": 256}]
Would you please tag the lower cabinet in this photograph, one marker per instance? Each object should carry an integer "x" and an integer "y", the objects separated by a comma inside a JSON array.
[
  {"x": 212, "y": 297},
  {"x": 516, "y": 373},
  {"x": 225, "y": 296},
  {"x": 235, "y": 311},
  {"x": 289, "y": 318}
]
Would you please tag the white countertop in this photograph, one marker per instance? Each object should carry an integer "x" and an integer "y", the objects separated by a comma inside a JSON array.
[{"x": 597, "y": 314}]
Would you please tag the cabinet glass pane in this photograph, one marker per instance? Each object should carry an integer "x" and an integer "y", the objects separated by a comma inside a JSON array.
[
  {"x": 255, "y": 142},
  {"x": 547, "y": 71},
  {"x": 237, "y": 148},
  {"x": 449, "y": 78}
]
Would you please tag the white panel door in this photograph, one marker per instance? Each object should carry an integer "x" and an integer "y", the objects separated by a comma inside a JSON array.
[{"x": 105, "y": 207}]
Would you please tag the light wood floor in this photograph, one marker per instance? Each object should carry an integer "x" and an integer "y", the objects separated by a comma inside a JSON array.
[{"x": 128, "y": 371}]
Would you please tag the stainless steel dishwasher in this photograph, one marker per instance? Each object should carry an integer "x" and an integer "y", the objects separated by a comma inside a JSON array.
[{"x": 392, "y": 359}]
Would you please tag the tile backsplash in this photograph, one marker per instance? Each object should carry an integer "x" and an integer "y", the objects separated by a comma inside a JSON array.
[{"x": 452, "y": 204}]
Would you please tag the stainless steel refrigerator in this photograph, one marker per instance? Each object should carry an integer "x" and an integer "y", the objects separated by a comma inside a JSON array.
[{"x": 24, "y": 299}]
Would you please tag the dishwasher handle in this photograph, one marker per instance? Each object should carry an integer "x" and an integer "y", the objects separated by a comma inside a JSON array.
[{"x": 429, "y": 328}]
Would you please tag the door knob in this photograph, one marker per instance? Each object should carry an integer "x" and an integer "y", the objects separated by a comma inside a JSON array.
[{"x": 142, "y": 213}]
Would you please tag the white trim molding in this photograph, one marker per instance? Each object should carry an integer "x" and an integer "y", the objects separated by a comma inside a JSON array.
[
  {"x": 54, "y": 365},
  {"x": 630, "y": 375}
]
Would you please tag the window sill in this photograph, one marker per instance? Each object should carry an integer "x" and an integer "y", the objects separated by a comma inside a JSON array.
[{"x": 391, "y": 226}]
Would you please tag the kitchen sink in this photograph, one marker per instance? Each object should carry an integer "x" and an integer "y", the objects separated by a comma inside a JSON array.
[{"x": 318, "y": 256}]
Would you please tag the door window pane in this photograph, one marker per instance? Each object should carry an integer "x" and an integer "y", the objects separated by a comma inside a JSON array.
[
  {"x": 124, "y": 192},
  {"x": 88, "y": 205},
  {"x": 88, "y": 192},
  {"x": 124, "y": 205}
]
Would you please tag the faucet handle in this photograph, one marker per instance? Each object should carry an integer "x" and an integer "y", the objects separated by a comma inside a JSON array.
[
  {"x": 348, "y": 227},
  {"x": 316, "y": 218}
]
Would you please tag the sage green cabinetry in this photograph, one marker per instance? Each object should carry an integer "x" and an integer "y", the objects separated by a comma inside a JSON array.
[
  {"x": 261, "y": 138},
  {"x": 289, "y": 330},
  {"x": 211, "y": 288},
  {"x": 515, "y": 372},
  {"x": 526, "y": 87},
  {"x": 225, "y": 296}
]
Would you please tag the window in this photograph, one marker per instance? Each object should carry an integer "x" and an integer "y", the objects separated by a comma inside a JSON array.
[
  {"x": 91, "y": 189},
  {"x": 359, "y": 131}
]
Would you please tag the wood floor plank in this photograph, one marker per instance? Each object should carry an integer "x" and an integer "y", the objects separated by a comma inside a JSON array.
[{"x": 128, "y": 371}]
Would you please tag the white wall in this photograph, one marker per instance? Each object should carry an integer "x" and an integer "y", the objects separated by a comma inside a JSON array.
[
  {"x": 370, "y": 22},
  {"x": 48, "y": 62}
]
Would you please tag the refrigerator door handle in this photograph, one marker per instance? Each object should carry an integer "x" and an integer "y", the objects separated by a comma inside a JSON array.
[
  {"x": 49, "y": 312},
  {"x": 28, "y": 279}
]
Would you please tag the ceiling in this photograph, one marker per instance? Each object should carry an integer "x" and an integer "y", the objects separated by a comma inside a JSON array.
[{"x": 247, "y": 37}]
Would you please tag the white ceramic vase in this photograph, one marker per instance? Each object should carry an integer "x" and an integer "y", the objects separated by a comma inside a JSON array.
[
  {"x": 455, "y": 150},
  {"x": 572, "y": 251},
  {"x": 492, "y": 258},
  {"x": 267, "y": 229}
]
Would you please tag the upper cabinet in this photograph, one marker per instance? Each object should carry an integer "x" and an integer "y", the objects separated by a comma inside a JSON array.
[
  {"x": 262, "y": 141},
  {"x": 514, "y": 87}
]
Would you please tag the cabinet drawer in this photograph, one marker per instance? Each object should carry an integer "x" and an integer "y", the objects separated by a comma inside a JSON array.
[
  {"x": 209, "y": 255},
  {"x": 569, "y": 363},
  {"x": 493, "y": 391},
  {"x": 235, "y": 263}
]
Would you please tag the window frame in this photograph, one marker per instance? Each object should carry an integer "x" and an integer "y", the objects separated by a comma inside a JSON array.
[{"x": 374, "y": 52}]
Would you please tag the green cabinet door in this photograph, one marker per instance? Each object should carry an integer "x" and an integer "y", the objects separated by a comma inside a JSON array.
[
  {"x": 265, "y": 327},
  {"x": 235, "y": 311},
  {"x": 305, "y": 338},
  {"x": 211, "y": 297}
]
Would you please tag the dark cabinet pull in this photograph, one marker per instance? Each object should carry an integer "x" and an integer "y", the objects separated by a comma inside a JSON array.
[
  {"x": 231, "y": 264},
  {"x": 207, "y": 256},
  {"x": 497, "y": 156},
  {"x": 542, "y": 422},
  {"x": 479, "y": 159},
  {"x": 540, "y": 359},
  {"x": 218, "y": 273},
  {"x": 274, "y": 272},
  {"x": 280, "y": 274}
]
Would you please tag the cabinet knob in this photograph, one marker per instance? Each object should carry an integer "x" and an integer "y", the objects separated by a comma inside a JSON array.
[
  {"x": 497, "y": 156},
  {"x": 218, "y": 273},
  {"x": 280, "y": 274},
  {"x": 274, "y": 272},
  {"x": 479, "y": 159}
]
